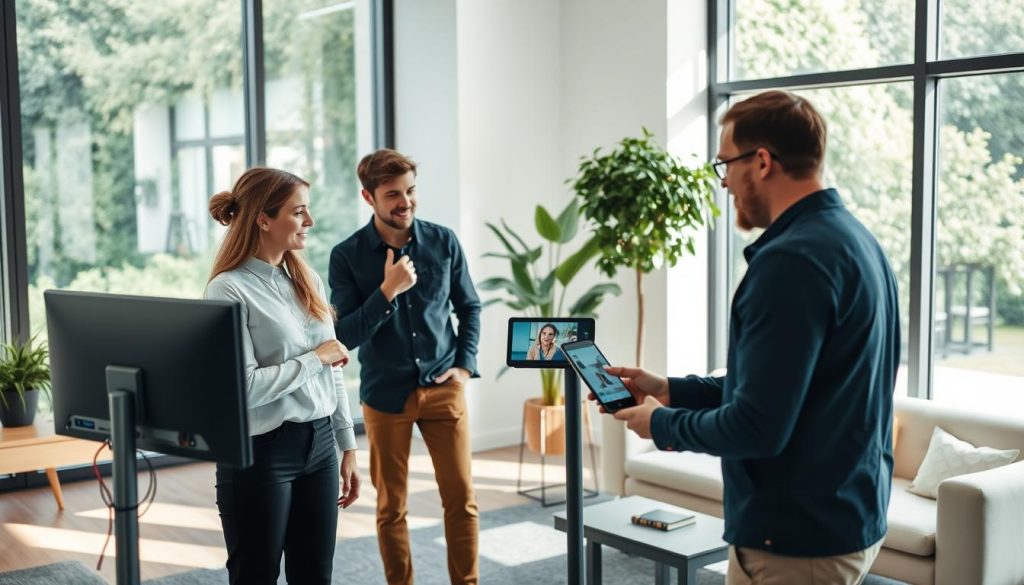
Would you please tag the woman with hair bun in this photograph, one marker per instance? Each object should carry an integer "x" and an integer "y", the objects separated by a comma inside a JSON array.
[{"x": 287, "y": 502}]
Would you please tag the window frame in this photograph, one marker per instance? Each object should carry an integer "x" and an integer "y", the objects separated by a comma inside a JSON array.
[
  {"x": 13, "y": 246},
  {"x": 924, "y": 72}
]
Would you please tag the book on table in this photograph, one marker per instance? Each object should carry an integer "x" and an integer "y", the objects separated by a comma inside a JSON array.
[{"x": 664, "y": 519}]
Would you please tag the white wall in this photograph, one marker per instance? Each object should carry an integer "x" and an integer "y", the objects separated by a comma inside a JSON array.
[
  {"x": 426, "y": 102},
  {"x": 614, "y": 60},
  {"x": 687, "y": 127},
  {"x": 510, "y": 142},
  {"x": 538, "y": 83}
]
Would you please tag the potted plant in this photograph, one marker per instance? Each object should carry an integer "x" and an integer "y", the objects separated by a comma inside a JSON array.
[
  {"x": 24, "y": 373},
  {"x": 645, "y": 205},
  {"x": 539, "y": 279}
]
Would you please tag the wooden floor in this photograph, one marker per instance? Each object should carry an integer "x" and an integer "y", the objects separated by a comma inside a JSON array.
[{"x": 182, "y": 530}]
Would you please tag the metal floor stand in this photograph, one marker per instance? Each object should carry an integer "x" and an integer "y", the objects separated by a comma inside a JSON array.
[{"x": 544, "y": 487}]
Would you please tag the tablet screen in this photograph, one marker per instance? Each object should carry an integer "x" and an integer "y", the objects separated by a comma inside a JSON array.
[{"x": 590, "y": 364}]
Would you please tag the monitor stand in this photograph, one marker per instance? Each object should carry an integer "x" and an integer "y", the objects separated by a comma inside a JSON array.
[{"x": 124, "y": 387}]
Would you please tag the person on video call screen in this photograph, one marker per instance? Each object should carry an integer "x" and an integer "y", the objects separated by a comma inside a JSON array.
[{"x": 545, "y": 349}]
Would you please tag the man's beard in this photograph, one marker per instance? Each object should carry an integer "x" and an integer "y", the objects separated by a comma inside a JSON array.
[
  {"x": 392, "y": 223},
  {"x": 742, "y": 221},
  {"x": 750, "y": 210}
]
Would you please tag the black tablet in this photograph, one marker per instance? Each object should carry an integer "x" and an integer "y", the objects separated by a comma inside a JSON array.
[
  {"x": 535, "y": 342},
  {"x": 589, "y": 362}
]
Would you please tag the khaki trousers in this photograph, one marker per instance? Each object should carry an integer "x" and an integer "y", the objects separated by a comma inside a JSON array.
[
  {"x": 440, "y": 414},
  {"x": 750, "y": 566}
]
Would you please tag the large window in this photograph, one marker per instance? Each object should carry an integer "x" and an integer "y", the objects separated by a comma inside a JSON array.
[
  {"x": 873, "y": 175},
  {"x": 117, "y": 104},
  {"x": 131, "y": 116},
  {"x": 926, "y": 153},
  {"x": 774, "y": 38},
  {"x": 981, "y": 27},
  {"x": 317, "y": 83},
  {"x": 314, "y": 107},
  {"x": 134, "y": 113},
  {"x": 979, "y": 238}
]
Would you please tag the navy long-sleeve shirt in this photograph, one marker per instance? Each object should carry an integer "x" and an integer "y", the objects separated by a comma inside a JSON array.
[
  {"x": 408, "y": 342},
  {"x": 803, "y": 418}
]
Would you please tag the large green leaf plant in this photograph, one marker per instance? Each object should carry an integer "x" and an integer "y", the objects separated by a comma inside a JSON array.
[{"x": 539, "y": 277}]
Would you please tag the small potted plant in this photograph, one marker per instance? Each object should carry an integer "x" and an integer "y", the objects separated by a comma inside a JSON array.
[{"x": 24, "y": 373}]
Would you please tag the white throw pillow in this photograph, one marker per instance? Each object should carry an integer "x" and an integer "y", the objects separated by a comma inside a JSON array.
[{"x": 948, "y": 457}]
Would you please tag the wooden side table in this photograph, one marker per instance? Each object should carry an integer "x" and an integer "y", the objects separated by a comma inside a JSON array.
[{"x": 31, "y": 448}]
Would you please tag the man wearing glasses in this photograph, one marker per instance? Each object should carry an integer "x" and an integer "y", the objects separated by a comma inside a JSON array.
[{"x": 803, "y": 419}]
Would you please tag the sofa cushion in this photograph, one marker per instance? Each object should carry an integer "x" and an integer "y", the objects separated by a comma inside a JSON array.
[
  {"x": 911, "y": 521},
  {"x": 948, "y": 457},
  {"x": 696, "y": 473}
]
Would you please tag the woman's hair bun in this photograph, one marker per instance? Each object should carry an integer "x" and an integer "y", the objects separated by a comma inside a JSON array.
[{"x": 223, "y": 207}]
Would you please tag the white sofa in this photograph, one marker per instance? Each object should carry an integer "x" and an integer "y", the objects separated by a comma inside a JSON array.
[{"x": 972, "y": 535}]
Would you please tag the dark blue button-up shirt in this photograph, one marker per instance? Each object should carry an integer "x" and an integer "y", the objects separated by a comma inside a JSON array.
[
  {"x": 803, "y": 419},
  {"x": 408, "y": 342}
]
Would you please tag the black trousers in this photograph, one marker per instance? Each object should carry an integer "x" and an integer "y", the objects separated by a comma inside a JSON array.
[{"x": 286, "y": 502}]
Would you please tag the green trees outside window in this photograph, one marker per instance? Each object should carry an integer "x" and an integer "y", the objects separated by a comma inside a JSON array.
[{"x": 132, "y": 117}]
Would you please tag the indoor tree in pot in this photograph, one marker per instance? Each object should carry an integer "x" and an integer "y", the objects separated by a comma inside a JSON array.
[
  {"x": 540, "y": 277},
  {"x": 24, "y": 373},
  {"x": 645, "y": 206}
]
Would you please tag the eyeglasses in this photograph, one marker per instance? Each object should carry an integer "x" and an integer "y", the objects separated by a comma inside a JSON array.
[{"x": 720, "y": 166}]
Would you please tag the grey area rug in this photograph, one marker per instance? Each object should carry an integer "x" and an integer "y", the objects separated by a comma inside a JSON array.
[
  {"x": 517, "y": 545},
  {"x": 64, "y": 573}
]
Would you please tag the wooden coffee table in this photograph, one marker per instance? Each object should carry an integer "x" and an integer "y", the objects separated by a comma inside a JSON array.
[
  {"x": 687, "y": 548},
  {"x": 36, "y": 447}
]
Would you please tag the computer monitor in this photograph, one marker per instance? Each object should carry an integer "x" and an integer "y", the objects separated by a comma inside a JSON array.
[
  {"x": 165, "y": 375},
  {"x": 189, "y": 358}
]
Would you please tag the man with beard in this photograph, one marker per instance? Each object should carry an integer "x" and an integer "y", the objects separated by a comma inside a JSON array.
[
  {"x": 803, "y": 419},
  {"x": 394, "y": 284}
]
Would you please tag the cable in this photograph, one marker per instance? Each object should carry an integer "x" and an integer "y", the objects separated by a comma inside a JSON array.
[
  {"x": 108, "y": 498},
  {"x": 108, "y": 501},
  {"x": 150, "y": 495}
]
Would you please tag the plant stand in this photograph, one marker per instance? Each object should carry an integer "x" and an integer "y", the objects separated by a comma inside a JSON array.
[{"x": 544, "y": 487}]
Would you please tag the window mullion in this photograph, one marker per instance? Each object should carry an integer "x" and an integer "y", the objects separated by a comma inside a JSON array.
[
  {"x": 14, "y": 261},
  {"x": 255, "y": 83},
  {"x": 718, "y": 238},
  {"x": 923, "y": 198},
  {"x": 382, "y": 22}
]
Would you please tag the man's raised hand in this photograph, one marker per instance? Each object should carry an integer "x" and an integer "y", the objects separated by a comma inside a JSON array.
[{"x": 398, "y": 276}]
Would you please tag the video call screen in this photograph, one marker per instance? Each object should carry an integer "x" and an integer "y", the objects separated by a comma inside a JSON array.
[{"x": 534, "y": 343}]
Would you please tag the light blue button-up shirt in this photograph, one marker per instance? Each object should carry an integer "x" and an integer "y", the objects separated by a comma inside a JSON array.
[{"x": 285, "y": 380}]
